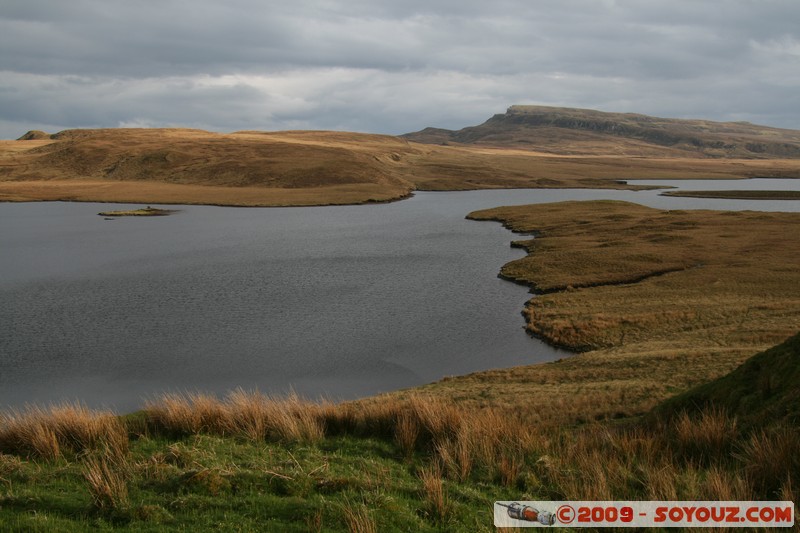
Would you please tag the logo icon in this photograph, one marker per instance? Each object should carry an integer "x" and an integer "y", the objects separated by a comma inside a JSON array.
[{"x": 526, "y": 513}]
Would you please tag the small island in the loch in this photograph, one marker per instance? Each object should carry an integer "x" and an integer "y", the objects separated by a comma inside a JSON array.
[{"x": 144, "y": 212}]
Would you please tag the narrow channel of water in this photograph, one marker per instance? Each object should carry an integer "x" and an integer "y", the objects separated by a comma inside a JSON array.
[{"x": 338, "y": 302}]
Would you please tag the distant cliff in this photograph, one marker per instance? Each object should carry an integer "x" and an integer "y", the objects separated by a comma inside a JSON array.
[{"x": 572, "y": 131}]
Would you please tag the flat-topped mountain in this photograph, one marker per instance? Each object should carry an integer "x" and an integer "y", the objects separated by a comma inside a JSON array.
[{"x": 585, "y": 131}]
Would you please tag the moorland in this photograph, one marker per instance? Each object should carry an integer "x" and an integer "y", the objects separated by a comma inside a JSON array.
[
  {"x": 527, "y": 147},
  {"x": 684, "y": 386}
]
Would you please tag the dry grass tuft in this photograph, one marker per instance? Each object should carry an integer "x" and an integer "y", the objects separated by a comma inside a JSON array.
[
  {"x": 314, "y": 521},
  {"x": 288, "y": 419},
  {"x": 771, "y": 459},
  {"x": 358, "y": 519},
  {"x": 186, "y": 414},
  {"x": 406, "y": 433},
  {"x": 457, "y": 455},
  {"x": 724, "y": 485},
  {"x": 72, "y": 428},
  {"x": 9, "y": 466},
  {"x": 440, "y": 420},
  {"x": 108, "y": 488},
  {"x": 437, "y": 504},
  {"x": 41, "y": 441},
  {"x": 106, "y": 476},
  {"x": 706, "y": 438},
  {"x": 251, "y": 415}
]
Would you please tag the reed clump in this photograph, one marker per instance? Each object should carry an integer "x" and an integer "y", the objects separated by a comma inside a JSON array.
[
  {"x": 358, "y": 518},
  {"x": 434, "y": 495},
  {"x": 249, "y": 415},
  {"x": 67, "y": 428},
  {"x": 771, "y": 459},
  {"x": 704, "y": 438},
  {"x": 106, "y": 476}
]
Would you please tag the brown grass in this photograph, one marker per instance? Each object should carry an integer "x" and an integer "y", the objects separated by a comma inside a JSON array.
[
  {"x": 187, "y": 414},
  {"x": 660, "y": 300},
  {"x": 771, "y": 458},
  {"x": 106, "y": 477},
  {"x": 437, "y": 503},
  {"x": 699, "y": 456},
  {"x": 506, "y": 447},
  {"x": 406, "y": 433},
  {"x": 251, "y": 415},
  {"x": 457, "y": 455},
  {"x": 65, "y": 428},
  {"x": 358, "y": 518},
  {"x": 701, "y": 439},
  {"x": 601, "y": 462},
  {"x": 178, "y": 166}
]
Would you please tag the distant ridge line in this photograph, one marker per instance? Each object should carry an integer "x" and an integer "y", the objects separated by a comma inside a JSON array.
[{"x": 570, "y": 130}]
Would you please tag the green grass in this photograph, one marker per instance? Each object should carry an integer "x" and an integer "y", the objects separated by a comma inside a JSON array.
[
  {"x": 170, "y": 474},
  {"x": 392, "y": 465},
  {"x": 207, "y": 482}
]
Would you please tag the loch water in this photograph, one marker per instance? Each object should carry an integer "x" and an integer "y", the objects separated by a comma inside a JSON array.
[{"x": 333, "y": 302}]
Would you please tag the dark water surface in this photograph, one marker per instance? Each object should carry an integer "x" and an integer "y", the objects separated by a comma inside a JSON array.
[{"x": 330, "y": 301}]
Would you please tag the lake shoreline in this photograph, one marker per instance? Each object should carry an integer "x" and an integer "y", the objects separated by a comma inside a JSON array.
[
  {"x": 131, "y": 192},
  {"x": 642, "y": 334},
  {"x": 568, "y": 350}
]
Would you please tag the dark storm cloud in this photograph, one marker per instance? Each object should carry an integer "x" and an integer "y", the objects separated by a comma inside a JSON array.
[{"x": 390, "y": 66}]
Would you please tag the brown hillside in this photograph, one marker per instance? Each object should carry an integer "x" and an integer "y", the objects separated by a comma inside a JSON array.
[
  {"x": 184, "y": 166},
  {"x": 35, "y": 135},
  {"x": 203, "y": 158},
  {"x": 584, "y": 131},
  {"x": 334, "y": 168}
]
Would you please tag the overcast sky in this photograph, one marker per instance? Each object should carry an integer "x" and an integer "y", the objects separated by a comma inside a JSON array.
[{"x": 390, "y": 66}]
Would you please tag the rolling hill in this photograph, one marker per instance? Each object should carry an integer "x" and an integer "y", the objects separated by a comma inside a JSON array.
[
  {"x": 527, "y": 147},
  {"x": 764, "y": 390},
  {"x": 585, "y": 131},
  {"x": 195, "y": 166}
]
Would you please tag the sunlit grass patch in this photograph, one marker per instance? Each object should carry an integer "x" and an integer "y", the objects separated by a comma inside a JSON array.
[{"x": 48, "y": 433}]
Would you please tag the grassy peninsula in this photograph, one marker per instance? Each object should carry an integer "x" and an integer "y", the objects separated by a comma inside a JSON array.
[
  {"x": 657, "y": 301},
  {"x": 737, "y": 195},
  {"x": 662, "y": 303}
]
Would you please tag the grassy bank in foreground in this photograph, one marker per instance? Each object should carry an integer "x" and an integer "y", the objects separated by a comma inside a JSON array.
[{"x": 253, "y": 463}]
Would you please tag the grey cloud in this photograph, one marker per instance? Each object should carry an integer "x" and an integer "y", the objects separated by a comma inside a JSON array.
[{"x": 390, "y": 66}]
